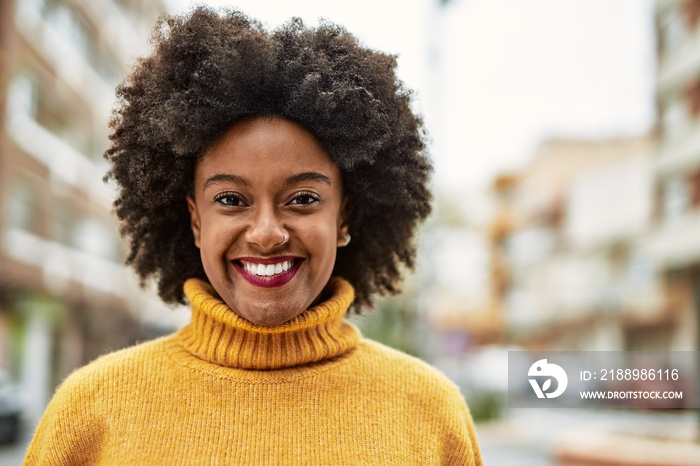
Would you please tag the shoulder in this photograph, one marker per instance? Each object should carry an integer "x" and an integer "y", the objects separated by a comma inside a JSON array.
[
  {"x": 113, "y": 368},
  {"x": 75, "y": 424},
  {"x": 412, "y": 374},
  {"x": 386, "y": 357},
  {"x": 424, "y": 395}
]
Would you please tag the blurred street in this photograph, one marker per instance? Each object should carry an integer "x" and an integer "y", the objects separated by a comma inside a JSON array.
[{"x": 547, "y": 437}]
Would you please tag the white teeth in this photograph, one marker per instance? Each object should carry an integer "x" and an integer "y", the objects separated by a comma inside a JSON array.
[{"x": 266, "y": 270}]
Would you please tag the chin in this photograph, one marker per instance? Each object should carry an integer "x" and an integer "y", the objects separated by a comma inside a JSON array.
[
  {"x": 273, "y": 321},
  {"x": 266, "y": 317}
]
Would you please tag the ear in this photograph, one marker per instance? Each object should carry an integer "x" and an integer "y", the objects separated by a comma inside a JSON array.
[
  {"x": 194, "y": 220},
  {"x": 343, "y": 226}
]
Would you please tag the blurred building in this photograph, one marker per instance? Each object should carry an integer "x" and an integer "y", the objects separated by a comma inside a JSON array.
[
  {"x": 456, "y": 297},
  {"x": 675, "y": 240},
  {"x": 64, "y": 295},
  {"x": 568, "y": 250}
]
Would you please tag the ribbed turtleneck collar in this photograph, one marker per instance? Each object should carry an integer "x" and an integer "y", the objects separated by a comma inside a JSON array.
[{"x": 218, "y": 335}]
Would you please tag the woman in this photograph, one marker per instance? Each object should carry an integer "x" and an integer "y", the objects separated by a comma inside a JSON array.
[{"x": 274, "y": 181}]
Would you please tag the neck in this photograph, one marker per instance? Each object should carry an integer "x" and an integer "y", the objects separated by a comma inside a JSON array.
[{"x": 218, "y": 335}]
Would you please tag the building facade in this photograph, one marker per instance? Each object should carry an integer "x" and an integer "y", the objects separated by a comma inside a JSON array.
[
  {"x": 65, "y": 296},
  {"x": 569, "y": 250},
  {"x": 675, "y": 240}
]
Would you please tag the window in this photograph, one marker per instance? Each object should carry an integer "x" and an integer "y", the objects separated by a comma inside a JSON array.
[
  {"x": 36, "y": 7},
  {"x": 106, "y": 68},
  {"x": 23, "y": 95},
  {"x": 676, "y": 120},
  {"x": 71, "y": 227},
  {"x": 71, "y": 25},
  {"x": 674, "y": 32},
  {"x": 21, "y": 204},
  {"x": 97, "y": 238},
  {"x": 73, "y": 129},
  {"x": 675, "y": 197},
  {"x": 62, "y": 224}
]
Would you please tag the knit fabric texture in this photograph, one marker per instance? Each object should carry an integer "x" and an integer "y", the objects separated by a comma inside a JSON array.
[{"x": 224, "y": 391}]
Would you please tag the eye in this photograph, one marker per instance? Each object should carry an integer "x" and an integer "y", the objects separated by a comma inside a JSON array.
[
  {"x": 305, "y": 199},
  {"x": 229, "y": 200}
]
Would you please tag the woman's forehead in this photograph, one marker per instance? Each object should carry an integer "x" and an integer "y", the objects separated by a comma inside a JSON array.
[{"x": 267, "y": 149}]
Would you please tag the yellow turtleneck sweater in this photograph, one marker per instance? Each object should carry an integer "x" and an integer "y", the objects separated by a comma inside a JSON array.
[{"x": 223, "y": 391}]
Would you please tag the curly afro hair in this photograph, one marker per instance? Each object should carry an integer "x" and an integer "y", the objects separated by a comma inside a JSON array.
[{"x": 209, "y": 70}]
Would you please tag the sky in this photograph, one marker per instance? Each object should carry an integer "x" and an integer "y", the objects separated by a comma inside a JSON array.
[{"x": 494, "y": 78}]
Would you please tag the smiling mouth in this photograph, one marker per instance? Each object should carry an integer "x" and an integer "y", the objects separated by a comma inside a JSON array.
[
  {"x": 268, "y": 273},
  {"x": 268, "y": 269}
]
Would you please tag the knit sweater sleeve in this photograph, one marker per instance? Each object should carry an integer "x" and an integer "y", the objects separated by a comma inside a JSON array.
[
  {"x": 69, "y": 432},
  {"x": 464, "y": 449},
  {"x": 459, "y": 443}
]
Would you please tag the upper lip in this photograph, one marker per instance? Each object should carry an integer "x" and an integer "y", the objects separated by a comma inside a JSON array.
[{"x": 267, "y": 260}]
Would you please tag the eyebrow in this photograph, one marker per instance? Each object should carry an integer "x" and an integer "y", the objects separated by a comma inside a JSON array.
[
  {"x": 307, "y": 176},
  {"x": 301, "y": 177},
  {"x": 225, "y": 178}
]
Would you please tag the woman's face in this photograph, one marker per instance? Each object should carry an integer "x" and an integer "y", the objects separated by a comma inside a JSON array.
[{"x": 267, "y": 215}]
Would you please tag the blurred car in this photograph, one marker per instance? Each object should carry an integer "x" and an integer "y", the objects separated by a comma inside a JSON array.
[{"x": 10, "y": 410}]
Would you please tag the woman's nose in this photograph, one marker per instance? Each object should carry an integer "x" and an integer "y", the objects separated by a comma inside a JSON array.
[{"x": 266, "y": 230}]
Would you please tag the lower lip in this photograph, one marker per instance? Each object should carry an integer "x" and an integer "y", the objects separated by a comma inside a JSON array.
[{"x": 268, "y": 282}]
